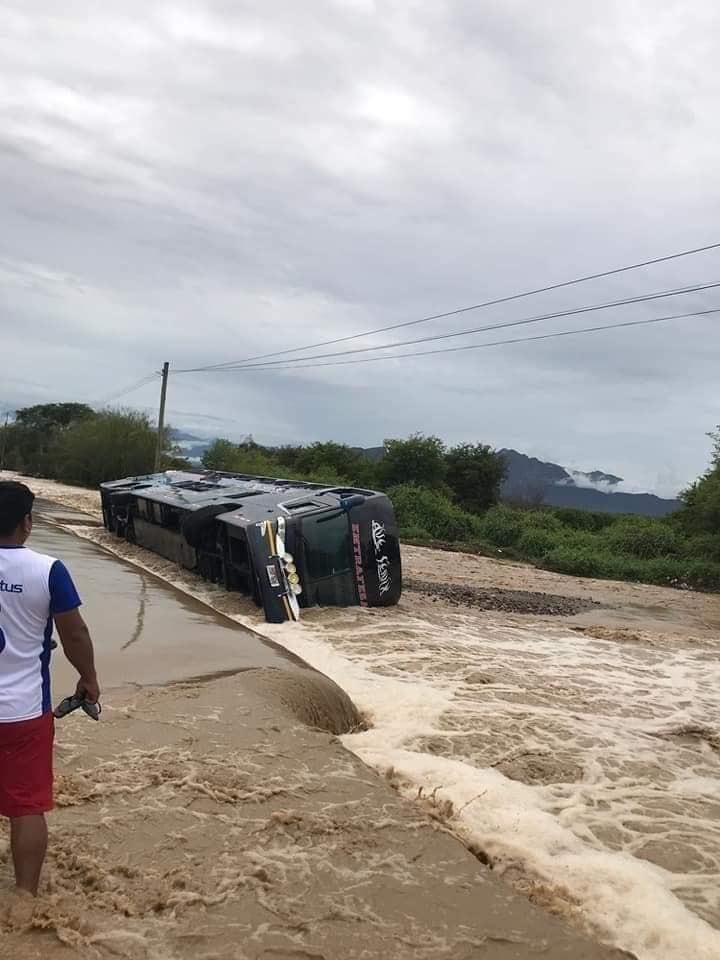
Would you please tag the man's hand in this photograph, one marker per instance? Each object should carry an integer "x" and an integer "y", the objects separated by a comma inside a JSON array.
[{"x": 88, "y": 689}]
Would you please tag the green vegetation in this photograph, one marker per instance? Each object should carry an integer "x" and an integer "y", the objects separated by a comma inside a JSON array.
[
  {"x": 702, "y": 498},
  {"x": 474, "y": 475},
  {"x": 451, "y": 497},
  {"x": 431, "y": 515},
  {"x": 419, "y": 460},
  {"x": 73, "y": 443},
  {"x": 448, "y": 496}
]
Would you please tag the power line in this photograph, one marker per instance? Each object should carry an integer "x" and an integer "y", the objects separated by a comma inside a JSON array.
[
  {"x": 143, "y": 381},
  {"x": 464, "y": 333},
  {"x": 476, "y": 306},
  {"x": 493, "y": 343},
  {"x": 26, "y": 383}
]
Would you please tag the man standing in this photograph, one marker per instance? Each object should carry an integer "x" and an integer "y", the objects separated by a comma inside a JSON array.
[{"x": 34, "y": 591}]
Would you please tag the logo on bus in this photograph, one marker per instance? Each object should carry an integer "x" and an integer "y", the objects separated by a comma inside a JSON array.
[
  {"x": 383, "y": 569},
  {"x": 379, "y": 537}
]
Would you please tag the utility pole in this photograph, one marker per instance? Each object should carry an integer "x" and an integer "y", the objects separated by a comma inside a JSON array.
[
  {"x": 3, "y": 446},
  {"x": 161, "y": 417}
]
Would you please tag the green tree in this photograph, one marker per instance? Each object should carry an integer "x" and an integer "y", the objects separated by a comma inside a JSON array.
[
  {"x": 246, "y": 457},
  {"x": 49, "y": 416},
  {"x": 338, "y": 462},
  {"x": 289, "y": 459},
  {"x": 110, "y": 445},
  {"x": 418, "y": 460},
  {"x": 220, "y": 455},
  {"x": 475, "y": 474},
  {"x": 35, "y": 430},
  {"x": 702, "y": 499}
]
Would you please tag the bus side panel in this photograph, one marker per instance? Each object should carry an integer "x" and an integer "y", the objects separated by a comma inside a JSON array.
[{"x": 166, "y": 543}]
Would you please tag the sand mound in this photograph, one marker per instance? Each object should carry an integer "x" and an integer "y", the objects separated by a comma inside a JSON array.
[{"x": 307, "y": 696}]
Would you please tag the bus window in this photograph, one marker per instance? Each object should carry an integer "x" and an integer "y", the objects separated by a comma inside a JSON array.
[{"x": 326, "y": 543}]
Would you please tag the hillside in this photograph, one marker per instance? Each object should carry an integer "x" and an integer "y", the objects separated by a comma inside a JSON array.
[
  {"x": 528, "y": 478},
  {"x": 544, "y": 482}
]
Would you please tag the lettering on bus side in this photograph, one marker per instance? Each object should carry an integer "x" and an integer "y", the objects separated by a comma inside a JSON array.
[
  {"x": 379, "y": 536},
  {"x": 383, "y": 569},
  {"x": 359, "y": 572}
]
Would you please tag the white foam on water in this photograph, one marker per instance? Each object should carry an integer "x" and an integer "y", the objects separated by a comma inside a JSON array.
[
  {"x": 616, "y": 742},
  {"x": 607, "y": 719}
]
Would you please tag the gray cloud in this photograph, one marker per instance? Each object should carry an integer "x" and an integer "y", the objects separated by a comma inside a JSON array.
[{"x": 209, "y": 181}]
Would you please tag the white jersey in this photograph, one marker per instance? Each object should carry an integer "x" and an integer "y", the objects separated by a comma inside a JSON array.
[{"x": 33, "y": 588}]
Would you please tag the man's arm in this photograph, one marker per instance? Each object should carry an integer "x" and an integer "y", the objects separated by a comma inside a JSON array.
[
  {"x": 78, "y": 648},
  {"x": 73, "y": 632}
]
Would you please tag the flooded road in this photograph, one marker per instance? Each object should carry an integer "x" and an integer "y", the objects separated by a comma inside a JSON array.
[
  {"x": 145, "y": 632},
  {"x": 581, "y": 757}
]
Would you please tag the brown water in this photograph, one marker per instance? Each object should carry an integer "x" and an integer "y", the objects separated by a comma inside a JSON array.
[
  {"x": 145, "y": 631},
  {"x": 581, "y": 756}
]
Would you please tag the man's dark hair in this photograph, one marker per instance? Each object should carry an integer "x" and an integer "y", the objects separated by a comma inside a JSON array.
[{"x": 16, "y": 503}]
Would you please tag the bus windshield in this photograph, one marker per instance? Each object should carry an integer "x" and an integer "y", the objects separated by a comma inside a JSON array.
[{"x": 326, "y": 543}]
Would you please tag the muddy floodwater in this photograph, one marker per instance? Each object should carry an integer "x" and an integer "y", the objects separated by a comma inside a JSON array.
[
  {"x": 145, "y": 632},
  {"x": 578, "y": 754}
]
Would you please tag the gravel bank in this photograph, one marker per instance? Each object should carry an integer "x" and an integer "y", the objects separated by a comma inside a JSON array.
[{"x": 495, "y": 598}]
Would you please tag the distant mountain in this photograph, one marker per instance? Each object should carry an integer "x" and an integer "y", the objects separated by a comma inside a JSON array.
[
  {"x": 194, "y": 452},
  {"x": 181, "y": 435},
  {"x": 190, "y": 446},
  {"x": 584, "y": 498},
  {"x": 543, "y": 482},
  {"x": 375, "y": 454},
  {"x": 597, "y": 476}
]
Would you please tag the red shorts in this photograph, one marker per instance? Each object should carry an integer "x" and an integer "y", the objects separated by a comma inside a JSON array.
[{"x": 26, "y": 766}]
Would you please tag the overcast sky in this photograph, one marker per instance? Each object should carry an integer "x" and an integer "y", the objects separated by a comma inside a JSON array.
[{"x": 208, "y": 181}]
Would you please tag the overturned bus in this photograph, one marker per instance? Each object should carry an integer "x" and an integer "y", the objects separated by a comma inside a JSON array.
[{"x": 286, "y": 543}]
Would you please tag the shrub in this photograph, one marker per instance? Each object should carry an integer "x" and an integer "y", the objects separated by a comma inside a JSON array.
[
  {"x": 588, "y": 561},
  {"x": 642, "y": 537},
  {"x": 501, "y": 526},
  {"x": 666, "y": 571},
  {"x": 574, "y": 561},
  {"x": 584, "y": 519},
  {"x": 424, "y": 509},
  {"x": 675, "y": 572},
  {"x": 541, "y": 520},
  {"x": 704, "y": 547},
  {"x": 219, "y": 455},
  {"x": 334, "y": 461},
  {"x": 326, "y": 475},
  {"x": 415, "y": 533},
  {"x": 700, "y": 574},
  {"x": 619, "y": 566},
  {"x": 536, "y": 543}
]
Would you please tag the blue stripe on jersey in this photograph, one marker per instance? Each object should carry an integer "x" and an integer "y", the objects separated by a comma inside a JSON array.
[
  {"x": 63, "y": 595},
  {"x": 45, "y": 666}
]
